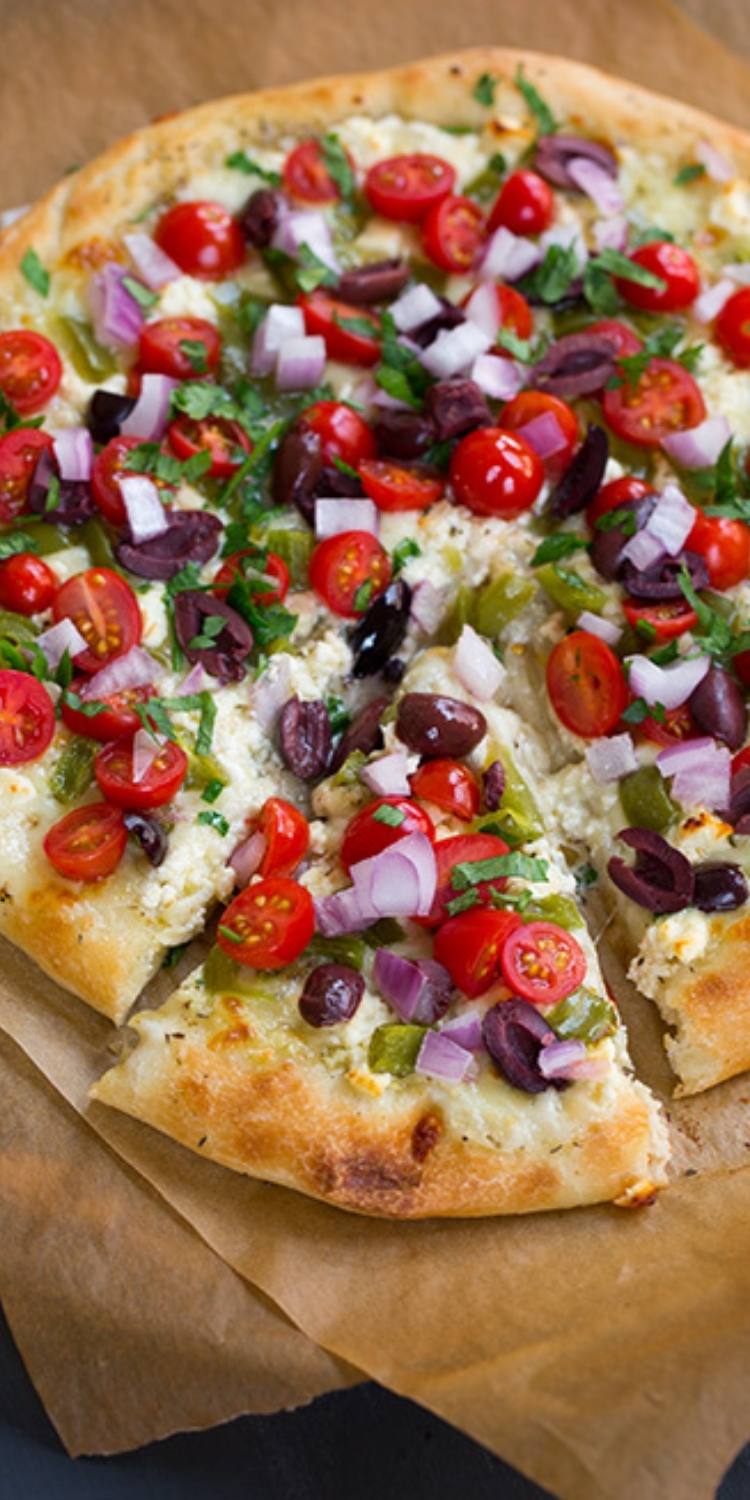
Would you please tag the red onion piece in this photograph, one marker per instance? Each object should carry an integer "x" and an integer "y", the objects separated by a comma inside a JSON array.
[
  {"x": 415, "y": 307},
  {"x": 418, "y": 991},
  {"x": 247, "y": 858},
  {"x": 498, "y": 376},
  {"x": 116, "y": 316},
  {"x": 454, "y": 350},
  {"x": 717, "y": 165},
  {"x": 508, "y": 257},
  {"x": 427, "y": 606},
  {"x": 483, "y": 308},
  {"x": 388, "y": 776},
  {"x": 544, "y": 434},
  {"x": 346, "y": 911},
  {"x": 197, "y": 681},
  {"x": 708, "y": 784},
  {"x": 301, "y": 363},
  {"x": 136, "y": 668},
  {"x": 74, "y": 452},
  {"x": 709, "y": 302},
  {"x": 598, "y": 184},
  {"x": 476, "y": 665},
  {"x": 146, "y": 749},
  {"x": 302, "y": 228},
  {"x": 401, "y": 880},
  {"x": 280, "y": 324},
  {"x": 597, "y": 625},
  {"x": 611, "y": 234},
  {"x": 145, "y": 512},
  {"x": 689, "y": 755},
  {"x": 671, "y": 685},
  {"x": 466, "y": 1030},
  {"x": 611, "y": 759},
  {"x": 332, "y": 516},
  {"x": 272, "y": 691},
  {"x": 558, "y": 1059},
  {"x": 58, "y": 639},
  {"x": 150, "y": 415},
  {"x": 153, "y": 265},
  {"x": 643, "y": 550},
  {"x": 698, "y": 447},
  {"x": 671, "y": 520},
  {"x": 439, "y": 1057}
]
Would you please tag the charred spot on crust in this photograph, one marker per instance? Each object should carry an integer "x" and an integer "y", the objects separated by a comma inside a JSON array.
[{"x": 425, "y": 1135}]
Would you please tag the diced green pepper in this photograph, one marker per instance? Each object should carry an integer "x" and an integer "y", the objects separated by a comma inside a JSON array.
[
  {"x": 517, "y": 819},
  {"x": 72, "y": 773},
  {"x": 558, "y": 909},
  {"x": 347, "y": 949},
  {"x": 460, "y": 613},
  {"x": 584, "y": 1015},
  {"x": 89, "y": 360},
  {"x": 294, "y": 547},
  {"x": 384, "y": 933},
  {"x": 202, "y": 769},
  {"x": 569, "y": 590},
  {"x": 500, "y": 601},
  {"x": 645, "y": 800},
  {"x": 45, "y": 537},
  {"x": 222, "y": 974},
  {"x": 93, "y": 536},
  {"x": 348, "y": 771},
  {"x": 394, "y": 1049},
  {"x": 16, "y": 628}
]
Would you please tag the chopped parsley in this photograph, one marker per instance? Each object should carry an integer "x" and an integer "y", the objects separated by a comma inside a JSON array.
[
  {"x": 661, "y": 344},
  {"x": 551, "y": 279},
  {"x": 338, "y": 165},
  {"x": 484, "y": 90},
  {"x": 212, "y": 790},
  {"x": 194, "y": 351},
  {"x": 585, "y": 876},
  {"x": 555, "y": 547},
  {"x": 211, "y": 628},
  {"x": 464, "y": 902},
  {"x": 214, "y": 819},
  {"x": 268, "y": 622},
  {"x": 402, "y": 552},
  {"x": 715, "y": 634},
  {"x": 18, "y": 541},
  {"x": 528, "y": 351},
  {"x": 148, "y": 458},
  {"x": 622, "y": 518},
  {"x": 140, "y": 293},
  {"x": 487, "y": 182},
  {"x": 361, "y": 326},
  {"x": 473, "y": 872},
  {"x": 312, "y": 272},
  {"x": 34, "y": 272},
  {"x": 400, "y": 372},
  {"x": 343, "y": 467},
  {"x": 541, "y": 111},
  {"x": 155, "y": 713},
  {"x": 52, "y": 498},
  {"x": 363, "y": 595},
  {"x": 598, "y": 286},
  {"x": 392, "y": 816},
  {"x": 338, "y": 714},
  {"x": 727, "y": 485},
  {"x": 689, "y": 173},
  {"x": 639, "y": 710},
  {"x": 239, "y": 161}
]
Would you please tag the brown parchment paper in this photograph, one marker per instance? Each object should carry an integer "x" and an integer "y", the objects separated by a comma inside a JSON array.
[{"x": 604, "y": 1354}]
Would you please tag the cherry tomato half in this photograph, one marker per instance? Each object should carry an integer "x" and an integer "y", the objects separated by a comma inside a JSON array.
[
  {"x": 511, "y": 308},
  {"x": 677, "y": 725},
  {"x": 27, "y": 584},
  {"x": 117, "y": 721},
  {"x": 725, "y": 545},
  {"x": 342, "y": 328},
  {"x": 271, "y": 567},
  {"x": 452, "y": 233},
  {"x": 307, "y": 177},
  {"x": 528, "y": 405},
  {"x": 27, "y": 718},
  {"x": 663, "y": 622},
  {"x": 618, "y": 493},
  {"x": 542, "y": 963},
  {"x": 470, "y": 947},
  {"x": 88, "y": 843},
  {"x": 369, "y": 833},
  {"x": 586, "y": 684},
  {"x": 732, "y": 327},
  {"x": 113, "y": 769},
  {"x": 20, "y": 451},
  {"x": 496, "y": 473},
  {"x": 394, "y": 486},
  {"x": 674, "y": 267},
  {"x": 525, "y": 204},
  {"x": 624, "y": 340},
  {"x": 109, "y": 468},
  {"x": 30, "y": 369},
  {"x": 343, "y": 433},
  {"x": 287, "y": 835},
  {"x": 164, "y": 348},
  {"x": 665, "y": 399},
  {"x": 202, "y": 238},
  {"x": 460, "y": 849},
  {"x": 226, "y": 441},
  {"x": 269, "y": 924},
  {"x": 407, "y": 187},
  {"x": 349, "y": 570},
  {"x": 105, "y": 610},
  {"x": 450, "y": 785}
]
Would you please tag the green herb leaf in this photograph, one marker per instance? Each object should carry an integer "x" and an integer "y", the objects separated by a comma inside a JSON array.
[
  {"x": 194, "y": 351},
  {"x": 239, "y": 161},
  {"x": 230, "y": 934},
  {"x": 147, "y": 458},
  {"x": 393, "y": 817},
  {"x": 268, "y": 622},
  {"x": 173, "y": 955},
  {"x": 363, "y": 595},
  {"x": 212, "y": 790},
  {"x": 16, "y": 541},
  {"x": 312, "y": 272},
  {"x": 487, "y": 183},
  {"x": 528, "y": 351},
  {"x": 140, "y": 293},
  {"x": 622, "y": 518},
  {"x": 551, "y": 279},
  {"x": 212, "y": 627},
  {"x": 473, "y": 872},
  {"x": 204, "y": 737},
  {"x": 661, "y": 344},
  {"x": 34, "y": 272},
  {"x": 343, "y": 467},
  {"x": 338, "y": 714},
  {"x": 688, "y": 173},
  {"x": 639, "y": 710},
  {"x": 598, "y": 286},
  {"x": 89, "y": 707},
  {"x": 484, "y": 90},
  {"x": 649, "y": 234},
  {"x": 363, "y": 327},
  {"x": 464, "y": 902},
  {"x": 585, "y": 876},
  {"x": 555, "y": 547},
  {"x": 52, "y": 499},
  {"x": 337, "y": 164},
  {"x": 541, "y": 111},
  {"x": 214, "y": 819},
  {"x": 402, "y": 552}
]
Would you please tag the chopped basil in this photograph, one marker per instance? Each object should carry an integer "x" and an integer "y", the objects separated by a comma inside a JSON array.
[
  {"x": 392, "y": 816},
  {"x": 338, "y": 714},
  {"x": 155, "y": 715},
  {"x": 239, "y": 161},
  {"x": 486, "y": 184},
  {"x": 473, "y": 872},
  {"x": 34, "y": 272},
  {"x": 148, "y": 458},
  {"x": 363, "y": 595},
  {"x": 402, "y": 552},
  {"x": 552, "y": 278},
  {"x": 213, "y": 790},
  {"x": 554, "y": 547},
  {"x": 400, "y": 372},
  {"x": 665, "y": 654},
  {"x": 598, "y": 286},
  {"x": 194, "y": 351},
  {"x": 89, "y": 708},
  {"x": 484, "y": 90},
  {"x": 268, "y": 622},
  {"x": 361, "y": 326},
  {"x": 343, "y": 467},
  {"x": 541, "y": 111},
  {"x": 17, "y": 541},
  {"x": 212, "y": 627},
  {"x": 661, "y": 344},
  {"x": 522, "y": 349},
  {"x": 140, "y": 293},
  {"x": 337, "y": 164},
  {"x": 52, "y": 498},
  {"x": 312, "y": 272},
  {"x": 688, "y": 173},
  {"x": 464, "y": 902},
  {"x": 639, "y": 710},
  {"x": 214, "y": 819},
  {"x": 622, "y": 518}
]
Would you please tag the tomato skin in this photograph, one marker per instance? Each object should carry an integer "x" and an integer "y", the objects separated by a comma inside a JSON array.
[
  {"x": 462, "y": 848},
  {"x": 342, "y": 431},
  {"x": 274, "y": 567},
  {"x": 202, "y": 238},
  {"x": 321, "y": 314},
  {"x": 88, "y": 843},
  {"x": 221, "y": 437},
  {"x": 665, "y": 399},
  {"x": 725, "y": 545},
  {"x": 452, "y": 233},
  {"x": 109, "y": 467},
  {"x": 732, "y": 327},
  {"x": 624, "y": 340},
  {"x": 341, "y": 564},
  {"x": 159, "y": 351},
  {"x": 395, "y": 486},
  {"x": 287, "y": 835},
  {"x": 20, "y": 451},
  {"x": 470, "y": 947},
  {"x": 513, "y": 311},
  {"x": 742, "y": 758},
  {"x": 118, "y": 721},
  {"x": 450, "y": 785},
  {"x": 530, "y": 404},
  {"x": 496, "y": 473},
  {"x": 27, "y": 718},
  {"x": 678, "y": 725},
  {"x": 669, "y": 620},
  {"x": 27, "y": 584},
  {"x": 525, "y": 204},
  {"x": 741, "y": 664},
  {"x": 274, "y": 920},
  {"x": 105, "y": 610},
  {"x": 113, "y": 769},
  {"x": 365, "y": 836},
  {"x": 677, "y": 270},
  {"x": 407, "y": 187},
  {"x": 306, "y": 176},
  {"x": 586, "y": 684},
  {"x": 30, "y": 370},
  {"x": 542, "y": 963},
  {"x": 618, "y": 493}
]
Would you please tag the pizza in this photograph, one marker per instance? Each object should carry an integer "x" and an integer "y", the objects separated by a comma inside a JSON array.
[{"x": 374, "y": 555}]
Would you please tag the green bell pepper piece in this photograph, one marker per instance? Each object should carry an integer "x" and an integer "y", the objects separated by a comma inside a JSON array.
[
  {"x": 347, "y": 949},
  {"x": 89, "y": 360},
  {"x": 43, "y": 536},
  {"x": 348, "y": 771},
  {"x": 16, "y": 628},
  {"x": 384, "y": 933},
  {"x": 294, "y": 547},
  {"x": 558, "y": 909},
  {"x": 569, "y": 590},
  {"x": 73, "y": 772},
  {"x": 517, "y": 819},
  {"x": 460, "y": 613},
  {"x": 645, "y": 800},
  {"x": 584, "y": 1015},
  {"x": 202, "y": 769},
  {"x": 500, "y": 601},
  {"x": 94, "y": 536},
  {"x": 222, "y": 974},
  {"x": 394, "y": 1049}
]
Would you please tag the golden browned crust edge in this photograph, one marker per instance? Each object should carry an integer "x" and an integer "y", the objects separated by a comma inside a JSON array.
[{"x": 709, "y": 1004}]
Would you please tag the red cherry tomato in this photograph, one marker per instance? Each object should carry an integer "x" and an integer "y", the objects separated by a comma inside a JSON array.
[
  {"x": 113, "y": 769},
  {"x": 496, "y": 473},
  {"x": 342, "y": 431},
  {"x": 407, "y": 187},
  {"x": 615, "y": 495},
  {"x": 27, "y": 718},
  {"x": 525, "y": 204},
  {"x": 470, "y": 947},
  {"x": 725, "y": 546},
  {"x": 663, "y": 622},
  {"x": 306, "y": 175},
  {"x": 452, "y": 233},
  {"x": 677, "y": 725},
  {"x": 272, "y": 567},
  {"x": 105, "y": 610},
  {"x": 742, "y": 758},
  {"x": 448, "y": 784},
  {"x": 30, "y": 369},
  {"x": 512, "y": 309},
  {"x": 367, "y": 835},
  {"x": 27, "y": 584},
  {"x": 349, "y": 570},
  {"x": 88, "y": 843},
  {"x": 269, "y": 924},
  {"x": 202, "y": 238},
  {"x": 20, "y": 451},
  {"x": 542, "y": 963},
  {"x": 287, "y": 836},
  {"x": 732, "y": 327},
  {"x": 674, "y": 267},
  {"x": 118, "y": 721},
  {"x": 328, "y": 317},
  {"x": 394, "y": 486},
  {"x": 586, "y": 684},
  {"x": 531, "y": 404},
  {"x": 226, "y": 441},
  {"x": 109, "y": 468},
  {"x": 463, "y": 848},
  {"x": 665, "y": 399},
  {"x": 161, "y": 348},
  {"x": 624, "y": 340}
]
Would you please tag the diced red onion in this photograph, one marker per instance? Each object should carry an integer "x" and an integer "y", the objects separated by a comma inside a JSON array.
[
  {"x": 688, "y": 755},
  {"x": 116, "y": 316},
  {"x": 498, "y": 376},
  {"x": 597, "y": 625},
  {"x": 544, "y": 434},
  {"x": 152, "y": 263},
  {"x": 388, "y": 776},
  {"x": 416, "y": 990},
  {"x": 508, "y": 257},
  {"x": 272, "y": 691},
  {"x": 643, "y": 549},
  {"x": 611, "y": 233},
  {"x": 568, "y": 236},
  {"x": 135, "y": 668},
  {"x": 466, "y": 1030},
  {"x": 671, "y": 520},
  {"x": 718, "y": 167},
  {"x": 247, "y": 858},
  {"x": 556, "y": 1059},
  {"x": 300, "y": 363},
  {"x": 709, "y": 302},
  {"x": 401, "y": 880},
  {"x": 483, "y": 308},
  {"x": 280, "y": 323},
  {"x": 439, "y": 1057},
  {"x": 454, "y": 350},
  {"x": 698, "y": 447},
  {"x": 196, "y": 681},
  {"x": 600, "y": 186},
  {"x": 74, "y": 452},
  {"x": 146, "y": 749},
  {"x": 671, "y": 685},
  {"x": 311, "y": 229},
  {"x": 476, "y": 665},
  {"x": 610, "y": 759},
  {"x": 739, "y": 270},
  {"x": 346, "y": 911},
  {"x": 332, "y": 516},
  {"x": 58, "y": 639},
  {"x": 427, "y": 606},
  {"x": 150, "y": 415},
  {"x": 708, "y": 784},
  {"x": 415, "y": 306},
  {"x": 145, "y": 512}
]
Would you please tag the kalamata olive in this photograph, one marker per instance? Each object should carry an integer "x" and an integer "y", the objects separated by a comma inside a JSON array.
[
  {"x": 364, "y": 733},
  {"x": 305, "y": 737},
  {"x": 191, "y": 536},
  {"x": 394, "y": 669},
  {"x": 435, "y": 725},
  {"x": 335, "y": 484},
  {"x": 74, "y": 503},
  {"x": 719, "y": 886},
  {"x": 227, "y": 653},
  {"x": 657, "y": 584},
  {"x": 106, "y": 412},
  {"x": 297, "y": 468},
  {"x": 404, "y": 434},
  {"x": 718, "y": 707},
  {"x": 739, "y": 802},
  {"x": 555, "y": 152},
  {"x": 456, "y": 406},
  {"x": 149, "y": 834},
  {"x": 743, "y": 824},
  {"x": 381, "y": 630},
  {"x": 332, "y": 993},
  {"x": 577, "y": 365},
  {"x": 449, "y": 317},
  {"x": 606, "y": 548},
  {"x": 493, "y": 786},
  {"x": 514, "y": 1033},
  {"x": 259, "y": 217},
  {"x": 661, "y": 879},
  {"x": 583, "y": 475},
  {"x": 377, "y": 282}
]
